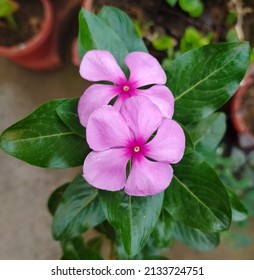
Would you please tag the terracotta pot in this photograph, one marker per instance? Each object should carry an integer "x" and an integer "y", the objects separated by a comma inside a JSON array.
[
  {"x": 36, "y": 52},
  {"x": 242, "y": 110}
]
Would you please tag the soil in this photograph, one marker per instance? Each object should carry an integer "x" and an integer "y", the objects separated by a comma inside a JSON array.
[
  {"x": 29, "y": 17},
  {"x": 173, "y": 21},
  {"x": 247, "y": 108}
]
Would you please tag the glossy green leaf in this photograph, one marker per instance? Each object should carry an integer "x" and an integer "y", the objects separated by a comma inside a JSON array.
[
  {"x": 204, "y": 79},
  {"x": 94, "y": 34},
  {"x": 69, "y": 115},
  {"x": 196, "y": 196},
  {"x": 148, "y": 250},
  {"x": 195, "y": 238},
  {"x": 189, "y": 145},
  {"x": 78, "y": 210},
  {"x": 163, "y": 231},
  {"x": 207, "y": 133},
  {"x": 119, "y": 21},
  {"x": 133, "y": 217},
  {"x": 239, "y": 212},
  {"x": 42, "y": 139},
  {"x": 76, "y": 249},
  {"x": 55, "y": 198}
]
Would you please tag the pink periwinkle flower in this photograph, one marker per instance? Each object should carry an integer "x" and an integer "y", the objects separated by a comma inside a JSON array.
[
  {"x": 145, "y": 70},
  {"x": 127, "y": 136}
]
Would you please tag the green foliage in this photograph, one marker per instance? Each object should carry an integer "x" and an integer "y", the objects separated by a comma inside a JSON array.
[
  {"x": 69, "y": 115},
  {"x": 192, "y": 38},
  {"x": 172, "y": 3},
  {"x": 133, "y": 217},
  {"x": 43, "y": 139},
  {"x": 79, "y": 209},
  {"x": 211, "y": 75},
  {"x": 196, "y": 206},
  {"x": 193, "y": 7},
  {"x": 252, "y": 55},
  {"x": 232, "y": 35},
  {"x": 163, "y": 232},
  {"x": 164, "y": 42},
  {"x": 7, "y": 9},
  {"x": 196, "y": 189},
  {"x": 76, "y": 249},
  {"x": 122, "y": 25},
  {"x": 94, "y": 33},
  {"x": 231, "y": 17},
  {"x": 195, "y": 238},
  {"x": 207, "y": 134}
]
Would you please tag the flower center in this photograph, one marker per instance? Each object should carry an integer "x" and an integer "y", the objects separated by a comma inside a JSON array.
[
  {"x": 136, "y": 149},
  {"x": 126, "y": 88}
]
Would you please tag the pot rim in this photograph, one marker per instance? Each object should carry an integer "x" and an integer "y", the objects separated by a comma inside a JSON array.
[
  {"x": 34, "y": 42},
  {"x": 236, "y": 115}
]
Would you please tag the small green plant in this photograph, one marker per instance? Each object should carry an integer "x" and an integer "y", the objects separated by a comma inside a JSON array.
[
  {"x": 236, "y": 171},
  {"x": 191, "y": 39},
  {"x": 7, "y": 9},
  {"x": 193, "y": 7}
]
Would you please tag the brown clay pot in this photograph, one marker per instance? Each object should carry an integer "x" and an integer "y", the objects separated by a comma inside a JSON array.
[
  {"x": 242, "y": 110},
  {"x": 36, "y": 52}
]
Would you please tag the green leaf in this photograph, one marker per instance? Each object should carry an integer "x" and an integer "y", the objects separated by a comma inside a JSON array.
[
  {"x": 7, "y": 8},
  {"x": 193, "y": 7},
  {"x": 69, "y": 115},
  {"x": 42, "y": 139},
  {"x": 192, "y": 38},
  {"x": 171, "y": 3},
  {"x": 204, "y": 79},
  {"x": 55, "y": 198},
  {"x": 207, "y": 133},
  {"x": 195, "y": 238},
  {"x": 94, "y": 34},
  {"x": 119, "y": 21},
  {"x": 163, "y": 231},
  {"x": 196, "y": 197},
  {"x": 162, "y": 43},
  {"x": 189, "y": 145},
  {"x": 78, "y": 210},
  {"x": 76, "y": 249},
  {"x": 133, "y": 217},
  {"x": 106, "y": 229},
  {"x": 239, "y": 212}
]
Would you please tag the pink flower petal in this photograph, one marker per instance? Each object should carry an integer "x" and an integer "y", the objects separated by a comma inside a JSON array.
[
  {"x": 142, "y": 116},
  {"x": 168, "y": 144},
  {"x": 119, "y": 101},
  {"x": 144, "y": 69},
  {"x": 106, "y": 129},
  {"x": 148, "y": 177},
  {"x": 106, "y": 170},
  {"x": 100, "y": 66},
  {"x": 94, "y": 97},
  {"x": 162, "y": 97}
]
